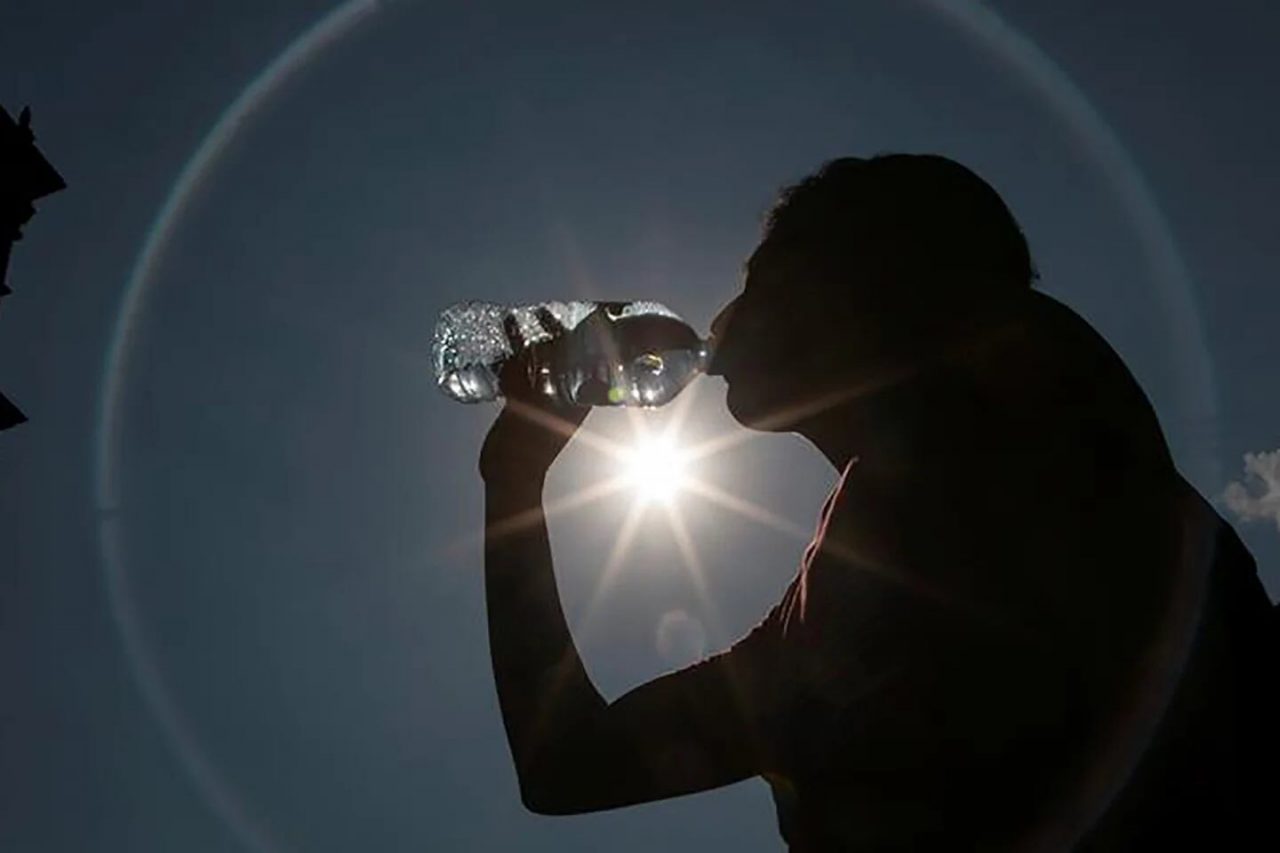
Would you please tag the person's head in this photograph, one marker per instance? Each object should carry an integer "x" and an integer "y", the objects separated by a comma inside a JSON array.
[{"x": 865, "y": 264}]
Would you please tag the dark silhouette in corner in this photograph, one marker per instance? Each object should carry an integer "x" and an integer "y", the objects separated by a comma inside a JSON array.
[
  {"x": 1017, "y": 626},
  {"x": 25, "y": 175}
]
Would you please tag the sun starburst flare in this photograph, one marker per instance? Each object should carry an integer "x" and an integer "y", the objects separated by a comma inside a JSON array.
[
  {"x": 656, "y": 469},
  {"x": 660, "y": 470}
]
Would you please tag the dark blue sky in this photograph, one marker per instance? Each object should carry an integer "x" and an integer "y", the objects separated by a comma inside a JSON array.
[{"x": 282, "y": 645}]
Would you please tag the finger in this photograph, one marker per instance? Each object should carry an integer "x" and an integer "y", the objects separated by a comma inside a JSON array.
[
  {"x": 549, "y": 321},
  {"x": 515, "y": 337}
]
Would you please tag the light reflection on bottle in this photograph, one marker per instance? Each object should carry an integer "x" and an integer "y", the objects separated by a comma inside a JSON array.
[{"x": 609, "y": 354}]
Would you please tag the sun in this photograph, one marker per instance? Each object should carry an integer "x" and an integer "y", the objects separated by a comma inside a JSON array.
[
  {"x": 656, "y": 468},
  {"x": 659, "y": 464}
]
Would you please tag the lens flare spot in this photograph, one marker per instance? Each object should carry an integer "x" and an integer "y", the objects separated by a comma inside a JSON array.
[{"x": 681, "y": 639}]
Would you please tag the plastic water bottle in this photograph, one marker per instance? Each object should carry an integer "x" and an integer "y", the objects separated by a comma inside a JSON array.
[{"x": 604, "y": 354}]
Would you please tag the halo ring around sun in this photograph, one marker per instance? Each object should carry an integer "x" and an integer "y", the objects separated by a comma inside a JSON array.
[{"x": 976, "y": 21}]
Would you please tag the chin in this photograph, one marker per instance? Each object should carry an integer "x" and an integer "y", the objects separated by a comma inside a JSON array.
[{"x": 755, "y": 410}]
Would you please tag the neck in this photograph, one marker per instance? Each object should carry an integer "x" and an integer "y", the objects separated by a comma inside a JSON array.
[
  {"x": 878, "y": 427},
  {"x": 835, "y": 438},
  {"x": 877, "y": 419}
]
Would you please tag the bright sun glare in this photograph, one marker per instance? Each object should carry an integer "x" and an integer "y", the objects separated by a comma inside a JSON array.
[
  {"x": 656, "y": 468},
  {"x": 657, "y": 465}
]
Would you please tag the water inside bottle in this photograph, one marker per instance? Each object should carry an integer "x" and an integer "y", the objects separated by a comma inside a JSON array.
[
  {"x": 631, "y": 359},
  {"x": 471, "y": 383},
  {"x": 467, "y": 347},
  {"x": 610, "y": 354}
]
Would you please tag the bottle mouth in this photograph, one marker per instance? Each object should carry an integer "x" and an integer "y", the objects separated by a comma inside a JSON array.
[{"x": 706, "y": 352}]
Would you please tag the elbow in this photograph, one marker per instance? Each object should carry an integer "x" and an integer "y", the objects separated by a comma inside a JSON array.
[
  {"x": 572, "y": 774},
  {"x": 547, "y": 799},
  {"x": 534, "y": 794},
  {"x": 540, "y": 804},
  {"x": 557, "y": 789}
]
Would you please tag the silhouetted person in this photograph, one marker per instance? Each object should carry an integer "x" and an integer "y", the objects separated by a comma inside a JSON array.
[
  {"x": 25, "y": 175},
  {"x": 984, "y": 646}
]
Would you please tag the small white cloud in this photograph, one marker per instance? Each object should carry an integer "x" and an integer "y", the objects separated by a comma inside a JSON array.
[{"x": 1257, "y": 497}]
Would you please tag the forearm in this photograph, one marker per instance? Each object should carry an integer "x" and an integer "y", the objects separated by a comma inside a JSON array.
[{"x": 543, "y": 688}]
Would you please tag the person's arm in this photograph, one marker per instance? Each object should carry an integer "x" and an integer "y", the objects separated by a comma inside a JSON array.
[{"x": 574, "y": 752}]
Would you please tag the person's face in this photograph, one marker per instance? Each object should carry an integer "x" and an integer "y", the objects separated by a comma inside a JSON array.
[{"x": 772, "y": 346}]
